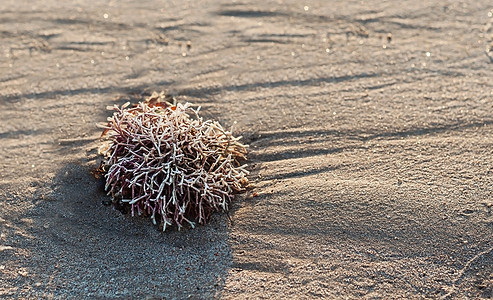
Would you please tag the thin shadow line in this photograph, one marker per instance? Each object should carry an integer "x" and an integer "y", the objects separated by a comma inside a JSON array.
[{"x": 275, "y": 84}]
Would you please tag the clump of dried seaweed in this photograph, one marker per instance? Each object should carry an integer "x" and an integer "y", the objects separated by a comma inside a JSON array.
[{"x": 166, "y": 162}]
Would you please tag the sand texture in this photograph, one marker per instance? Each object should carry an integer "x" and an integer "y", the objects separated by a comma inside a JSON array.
[{"x": 370, "y": 125}]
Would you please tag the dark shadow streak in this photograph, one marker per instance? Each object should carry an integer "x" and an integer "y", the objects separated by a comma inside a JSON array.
[
  {"x": 414, "y": 27},
  {"x": 381, "y": 86},
  {"x": 299, "y": 174},
  {"x": 19, "y": 133},
  {"x": 275, "y": 84},
  {"x": 99, "y": 24},
  {"x": 271, "y": 267},
  {"x": 287, "y": 35},
  {"x": 70, "y": 21},
  {"x": 7, "y": 34},
  {"x": 265, "y": 41},
  {"x": 167, "y": 28},
  {"x": 92, "y": 43},
  {"x": 67, "y": 48},
  {"x": 249, "y": 13},
  {"x": 298, "y": 154},
  {"x": 270, "y": 138},
  {"x": 112, "y": 89},
  {"x": 489, "y": 56},
  {"x": 47, "y": 37},
  {"x": 431, "y": 130},
  {"x": 10, "y": 78}
]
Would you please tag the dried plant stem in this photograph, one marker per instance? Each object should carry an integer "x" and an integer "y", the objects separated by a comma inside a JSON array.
[{"x": 168, "y": 163}]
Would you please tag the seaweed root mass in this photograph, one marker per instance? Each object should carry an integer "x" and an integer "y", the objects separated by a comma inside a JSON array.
[{"x": 166, "y": 162}]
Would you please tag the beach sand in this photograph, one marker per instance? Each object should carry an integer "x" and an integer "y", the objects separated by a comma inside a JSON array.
[{"x": 370, "y": 125}]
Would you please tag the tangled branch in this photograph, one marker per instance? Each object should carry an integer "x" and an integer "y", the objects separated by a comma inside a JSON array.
[{"x": 166, "y": 162}]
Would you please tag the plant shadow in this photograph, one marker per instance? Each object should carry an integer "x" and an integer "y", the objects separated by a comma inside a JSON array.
[{"x": 92, "y": 249}]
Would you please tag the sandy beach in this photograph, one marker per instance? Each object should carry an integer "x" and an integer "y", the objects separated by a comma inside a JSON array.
[{"x": 370, "y": 126}]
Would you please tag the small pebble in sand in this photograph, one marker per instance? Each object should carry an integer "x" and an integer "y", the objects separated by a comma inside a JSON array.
[{"x": 23, "y": 273}]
